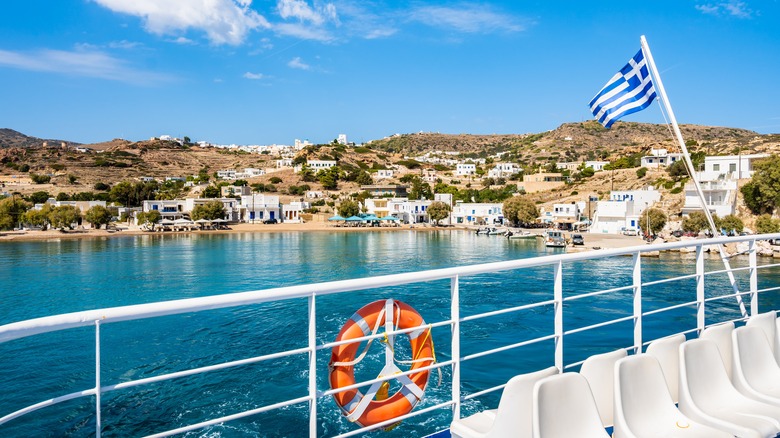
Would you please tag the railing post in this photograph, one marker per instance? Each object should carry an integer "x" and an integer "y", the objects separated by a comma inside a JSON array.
[
  {"x": 455, "y": 318},
  {"x": 558, "y": 298},
  {"x": 98, "y": 421},
  {"x": 753, "y": 260},
  {"x": 700, "y": 321},
  {"x": 312, "y": 366},
  {"x": 637, "y": 286}
]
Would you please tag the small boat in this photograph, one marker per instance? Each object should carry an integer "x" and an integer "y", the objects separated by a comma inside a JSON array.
[
  {"x": 521, "y": 235},
  {"x": 497, "y": 232},
  {"x": 554, "y": 239}
]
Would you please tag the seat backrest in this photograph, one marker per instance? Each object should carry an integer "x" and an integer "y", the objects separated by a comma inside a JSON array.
[
  {"x": 768, "y": 323},
  {"x": 667, "y": 352},
  {"x": 754, "y": 364},
  {"x": 641, "y": 396},
  {"x": 564, "y": 407},
  {"x": 703, "y": 379},
  {"x": 721, "y": 335},
  {"x": 515, "y": 410},
  {"x": 599, "y": 370}
]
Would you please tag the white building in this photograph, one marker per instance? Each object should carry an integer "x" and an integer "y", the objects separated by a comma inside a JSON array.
[
  {"x": 623, "y": 209},
  {"x": 571, "y": 166},
  {"x": 597, "y": 166},
  {"x": 259, "y": 207},
  {"x": 719, "y": 183},
  {"x": 342, "y": 139},
  {"x": 447, "y": 199},
  {"x": 465, "y": 169},
  {"x": 565, "y": 215},
  {"x": 169, "y": 208},
  {"x": 292, "y": 211},
  {"x": 504, "y": 170},
  {"x": 660, "y": 158},
  {"x": 476, "y": 213},
  {"x": 729, "y": 167},
  {"x": 284, "y": 162},
  {"x": 233, "y": 191},
  {"x": 226, "y": 174},
  {"x": 230, "y": 206},
  {"x": 250, "y": 172},
  {"x": 317, "y": 165},
  {"x": 385, "y": 173},
  {"x": 720, "y": 196}
]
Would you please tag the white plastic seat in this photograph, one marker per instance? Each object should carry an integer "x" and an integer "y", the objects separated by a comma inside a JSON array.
[
  {"x": 721, "y": 335},
  {"x": 768, "y": 323},
  {"x": 599, "y": 370},
  {"x": 708, "y": 397},
  {"x": 564, "y": 408},
  {"x": 667, "y": 352},
  {"x": 756, "y": 373},
  {"x": 514, "y": 413},
  {"x": 644, "y": 407}
]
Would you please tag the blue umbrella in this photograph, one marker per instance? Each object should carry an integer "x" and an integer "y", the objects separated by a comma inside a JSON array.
[
  {"x": 336, "y": 218},
  {"x": 353, "y": 219}
]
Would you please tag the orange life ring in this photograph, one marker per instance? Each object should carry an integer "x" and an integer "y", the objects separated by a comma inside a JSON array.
[{"x": 369, "y": 317}]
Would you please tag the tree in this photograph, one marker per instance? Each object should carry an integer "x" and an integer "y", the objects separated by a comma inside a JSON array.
[
  {"x": 438, "y": 211},
  {"x": 730, "y": 223},
  {"x": 11, "y": 210},
  {"x": 38, "y": 197},
  {"x": 211, "y": 192},
  {"x": 209, "y": 211},
  {"x": 329, "y": 178},
  {"x": 653, "y": 220},
  {"x": 40, "y": 179},
  {"x": 695, "y": 222},
  {"x": 64, "y": 216},
  {"x": 149, "y": 217},
  {"x": 762, "y": 193},
  {"x": 766, "y": 224},
  {"x": 677, "y": 170},
  {"x": 97, "y": 216},
  {"x": 101, "y": 186},
  {"x": 38, "y": 218},
  {"x": 349, "y": 208},
  {"x": 641, "y": 172},
  {"x": 364, "y": 179},
  {"x": 122, "y": 193},
  {"x": 519, "y": 209},
  {"x": 275, "y": 180}
]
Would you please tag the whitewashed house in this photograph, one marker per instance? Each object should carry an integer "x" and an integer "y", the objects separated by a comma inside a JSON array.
[
  {"x": 291, "y": 212},
  {"x": 597, "y": 166},
  {"x": 565, "y": 215},
  {"x": 477, "y": 213},
  {"x": 226, "y": 174},
  {"x": 284, "y": 162},
  {"x": 504, "y": 170},
  {"x": 465, "y": 169},
  {"x": 622, "y": 211},
  {"x": 259, "y": 207},
  {"x": 385, "y": 173},
  {"x": 719, "y": 183},
  {"x": 317, "y": 165},
  {"x": 169, "y": 208},
  {"x": 660, "y": 158}
]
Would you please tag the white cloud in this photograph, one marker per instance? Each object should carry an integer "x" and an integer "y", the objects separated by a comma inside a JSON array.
[
  {"x": 298, "y": 63},
  {"x": 466, "y": 18},
  {"x": 379, "y": 33},
  {"x": 254, "y": 76},
  {"x": 223, "y": 21},
  {"x": 733, "y": 8},
  {"x": 81, "y": 62},
  {"x": 124, "y": 44},
  {"x": 303, "y": 31},
  {"x": 183, "y": 41},
  {"x": 300, "y": 10}
]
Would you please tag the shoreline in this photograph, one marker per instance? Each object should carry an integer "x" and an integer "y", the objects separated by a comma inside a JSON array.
[{"x": 592, "y": 241}]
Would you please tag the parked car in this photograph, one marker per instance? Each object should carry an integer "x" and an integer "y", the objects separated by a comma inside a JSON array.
[
  {"x": 577, "y": 239},
  {"x": 677, "y": 233},
  {"x": 271, "y": 221}
]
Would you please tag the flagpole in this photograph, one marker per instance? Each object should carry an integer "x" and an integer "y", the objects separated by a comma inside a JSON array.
[{"x": 689, "y": 164}]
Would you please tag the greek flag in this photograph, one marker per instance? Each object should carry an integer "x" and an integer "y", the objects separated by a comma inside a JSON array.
[{"x": 629, "y": 91}]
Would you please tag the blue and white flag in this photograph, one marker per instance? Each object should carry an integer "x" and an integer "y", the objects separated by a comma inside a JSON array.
[{"x": 629, "y": 91}]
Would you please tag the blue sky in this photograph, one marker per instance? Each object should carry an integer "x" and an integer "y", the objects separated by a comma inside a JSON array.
[{"x": 270, "y": 71}]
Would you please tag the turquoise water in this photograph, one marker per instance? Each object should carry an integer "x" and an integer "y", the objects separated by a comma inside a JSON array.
[{"x": 44, "y": 278}]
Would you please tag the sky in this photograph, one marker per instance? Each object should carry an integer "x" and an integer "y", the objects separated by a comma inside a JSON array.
[{"x": 271, "y": 71}]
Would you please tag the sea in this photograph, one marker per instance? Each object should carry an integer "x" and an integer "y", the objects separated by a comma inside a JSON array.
[{"x": 59, "y": 276}]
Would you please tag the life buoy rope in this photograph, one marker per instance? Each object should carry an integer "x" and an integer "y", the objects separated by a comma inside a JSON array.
[{"x": 368, "y": 409}]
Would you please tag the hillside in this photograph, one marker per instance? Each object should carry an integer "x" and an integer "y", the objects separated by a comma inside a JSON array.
[{"x": 75, "y": 170}]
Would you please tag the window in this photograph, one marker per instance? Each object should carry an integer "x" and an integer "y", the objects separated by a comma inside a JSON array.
[
  {"x": 732, "y": 167},
  {"x": 716, "y": 167}
]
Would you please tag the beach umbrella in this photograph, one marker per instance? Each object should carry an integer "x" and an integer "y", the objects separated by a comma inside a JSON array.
[
  {"x": 336, "y": 218},
  {"x": 202, "y": 221},
  {"x": 166, "y": 222},
  {"x": 354, "y": 219},
  {"x": 388, "y": 218},
  {"x": 182, "y": 221},
  {"x": 371, "y": 218}
]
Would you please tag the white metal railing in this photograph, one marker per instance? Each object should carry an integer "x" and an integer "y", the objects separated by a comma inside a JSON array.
[{"x": 97, "y": 318}]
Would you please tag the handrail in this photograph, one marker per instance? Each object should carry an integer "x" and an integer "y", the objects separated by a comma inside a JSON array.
[{"x": 99, "y": 317}]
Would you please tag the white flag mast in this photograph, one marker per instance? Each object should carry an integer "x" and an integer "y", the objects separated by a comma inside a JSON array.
[{"x": 668, "y": 108}]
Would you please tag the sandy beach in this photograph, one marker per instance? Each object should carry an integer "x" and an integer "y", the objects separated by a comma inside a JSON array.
[{"x": 592, "y": 241}]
